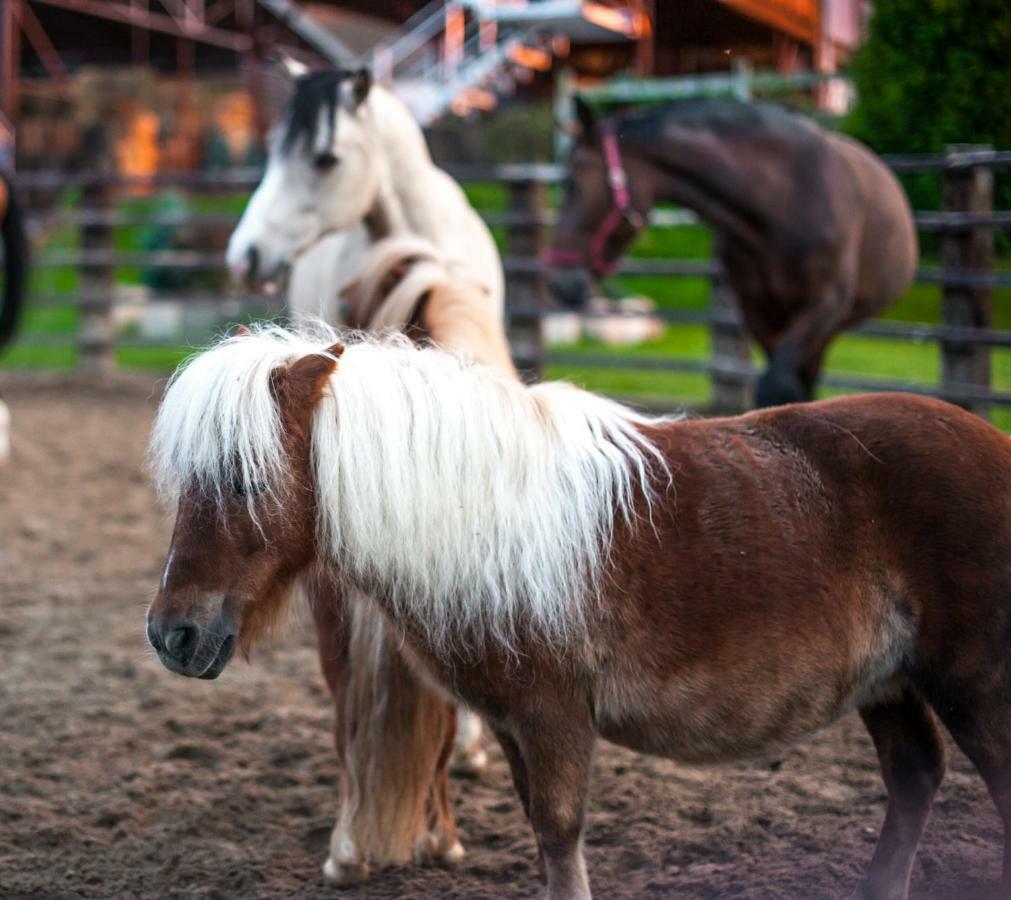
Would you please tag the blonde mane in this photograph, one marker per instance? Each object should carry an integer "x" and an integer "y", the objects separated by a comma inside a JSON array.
[
  {"x": 478, "y": 506},
  {"x": 374, "y": 305}
]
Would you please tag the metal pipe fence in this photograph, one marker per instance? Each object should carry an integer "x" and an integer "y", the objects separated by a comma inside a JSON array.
[{"x": 967, "y": 275}]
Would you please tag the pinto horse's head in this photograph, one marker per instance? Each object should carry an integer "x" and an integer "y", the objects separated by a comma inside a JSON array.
[
  {"x": 320, "y": 177},
  {"x": 232, "y": 444},
  {"x": 600, "y": 212}
]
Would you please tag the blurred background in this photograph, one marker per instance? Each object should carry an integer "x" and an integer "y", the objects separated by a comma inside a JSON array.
[{"x": 136, "y": 131}]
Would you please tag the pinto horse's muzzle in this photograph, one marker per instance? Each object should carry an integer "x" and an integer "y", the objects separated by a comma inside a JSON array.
[{"x": 189, "y": 649}]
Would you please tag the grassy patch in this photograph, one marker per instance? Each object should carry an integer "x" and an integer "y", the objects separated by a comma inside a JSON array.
[{"x": 850, "y": 354}]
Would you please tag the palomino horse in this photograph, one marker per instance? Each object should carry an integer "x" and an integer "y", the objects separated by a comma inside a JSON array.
[
  {"x": 348, "y": 165},
  {"x": 393, "y": 731},
  {"x": 702, "y": 590},
  {"x": 813, "y": 230},
  {"x": 15, "y": 251}
]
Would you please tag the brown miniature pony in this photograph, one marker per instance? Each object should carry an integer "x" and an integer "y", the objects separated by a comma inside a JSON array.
[
  {"x": 394, "y": 733},
  {"x": 813, "y": 230},
  {"x": 703, "y": 590}
]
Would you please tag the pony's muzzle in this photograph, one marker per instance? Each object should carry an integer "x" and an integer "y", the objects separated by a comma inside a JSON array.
[{"x": 186, "y": 648}]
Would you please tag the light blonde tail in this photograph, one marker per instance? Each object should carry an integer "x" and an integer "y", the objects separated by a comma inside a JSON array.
[{"x": 398, "y": 737}]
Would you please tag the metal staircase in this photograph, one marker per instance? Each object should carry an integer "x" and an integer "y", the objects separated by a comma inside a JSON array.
[{"x": 462, "y": 55}]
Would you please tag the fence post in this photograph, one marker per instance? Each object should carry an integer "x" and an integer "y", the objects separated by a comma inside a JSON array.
[
  {"x": 525, "y": 290},
  {"x": 967, "y": 250},
  {"x": 95, "y": 338},
  {"x": 730, "y": 356}
]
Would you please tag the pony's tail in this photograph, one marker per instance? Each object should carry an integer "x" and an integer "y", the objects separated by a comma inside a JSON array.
[{"x": 15, "y": 241}]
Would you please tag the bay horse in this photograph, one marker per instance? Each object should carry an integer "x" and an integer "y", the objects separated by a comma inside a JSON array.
[
  {"x": 393, "y": 730},
  {"x": 812, "y": 229},
  {"x": 698, "y": 589},
  {"x": 15, "y": 255}
]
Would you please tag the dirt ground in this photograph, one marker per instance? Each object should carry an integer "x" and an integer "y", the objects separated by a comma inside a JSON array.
[{"x": 118, "y": 779}]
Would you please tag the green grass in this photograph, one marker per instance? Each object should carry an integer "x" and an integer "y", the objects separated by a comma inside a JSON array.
[{"x": 850, "y": 354}]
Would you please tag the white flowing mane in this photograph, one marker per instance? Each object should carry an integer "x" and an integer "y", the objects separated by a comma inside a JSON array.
[{"x": 476, "y": 504}]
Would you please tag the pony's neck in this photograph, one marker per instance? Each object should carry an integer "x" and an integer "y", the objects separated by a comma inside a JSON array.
[
  {"x": 387, "y": 215},
  {"x": 474, "y": 505},
  {"x": 457, "y": 320}
]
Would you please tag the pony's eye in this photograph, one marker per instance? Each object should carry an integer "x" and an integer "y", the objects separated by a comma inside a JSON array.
[{"x": 325, "y": 161}]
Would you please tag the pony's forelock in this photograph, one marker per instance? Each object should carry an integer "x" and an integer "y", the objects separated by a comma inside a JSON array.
[{"x": 218, "y": 427}]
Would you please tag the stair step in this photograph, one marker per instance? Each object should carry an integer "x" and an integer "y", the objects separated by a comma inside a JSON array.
[{"x": 583, "y": 22}]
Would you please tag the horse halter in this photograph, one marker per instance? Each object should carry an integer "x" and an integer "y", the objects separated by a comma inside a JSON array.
[{"x": 621, "y": 211}]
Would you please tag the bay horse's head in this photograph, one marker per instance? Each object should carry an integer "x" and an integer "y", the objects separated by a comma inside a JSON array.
[
  {"x": 602, "y": 211},
  {"x": 321, "y": 175},
  {"x": 232, "y": 445}
]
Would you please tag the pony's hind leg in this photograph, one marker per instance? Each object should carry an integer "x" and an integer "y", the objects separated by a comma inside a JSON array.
[
  {"x": 445, "y": 845},
  {"x": 911, "y": 753},
  {"x": 978, "y": 717}
]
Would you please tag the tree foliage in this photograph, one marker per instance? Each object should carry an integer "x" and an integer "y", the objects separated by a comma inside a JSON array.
[{"x": 931, "y": 73}]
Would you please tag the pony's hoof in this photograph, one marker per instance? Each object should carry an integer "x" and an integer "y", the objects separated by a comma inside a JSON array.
[
  {"x": 345, "y": 873},
  {"x": 454, "y": 854},
  {"x": 472, "y": 764}
]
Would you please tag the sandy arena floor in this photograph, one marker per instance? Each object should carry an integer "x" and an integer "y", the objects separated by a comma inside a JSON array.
[{"x": 118, "y": 779}]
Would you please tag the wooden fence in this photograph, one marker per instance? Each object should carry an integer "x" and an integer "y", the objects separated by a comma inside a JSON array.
[{"x": 967, "y": 276}]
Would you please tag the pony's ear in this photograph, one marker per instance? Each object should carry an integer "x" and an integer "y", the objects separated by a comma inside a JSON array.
[
  {"x": 585, "y": 116},
  {"x": 361, "y": 84},
  {"x": 299, "y": 386},
  {"x": 292, "y": 67},
  {"x": 241, "y": 331}
]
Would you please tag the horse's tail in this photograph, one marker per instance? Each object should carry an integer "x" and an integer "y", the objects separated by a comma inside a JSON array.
[
  {"x": 396, "y": 752},
  {"x": 15, "y": 241}
]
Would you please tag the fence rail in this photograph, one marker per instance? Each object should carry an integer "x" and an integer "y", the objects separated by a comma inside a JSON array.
[{"x": 966, "y": 225}]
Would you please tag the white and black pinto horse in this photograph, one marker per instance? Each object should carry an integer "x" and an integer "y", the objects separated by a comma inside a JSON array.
[{"x": 347, "y": 166}]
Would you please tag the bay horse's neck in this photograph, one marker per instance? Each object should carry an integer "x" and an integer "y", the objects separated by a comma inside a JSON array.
[{"x": 692, "y": 167}]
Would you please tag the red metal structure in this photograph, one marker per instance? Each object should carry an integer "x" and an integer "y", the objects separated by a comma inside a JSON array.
[{"x": 47, "y": 38}]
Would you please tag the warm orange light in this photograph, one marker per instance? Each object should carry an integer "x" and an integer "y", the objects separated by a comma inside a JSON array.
[
  {"x": 530, "y": 57},
  {"x": 476, "y": 98},
  {"x": 632, "y": 25}
]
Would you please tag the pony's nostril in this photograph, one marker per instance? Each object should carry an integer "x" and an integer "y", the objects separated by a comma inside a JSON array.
[
  {"x": 152, "y": 636},
  {"x": 180, "y": 642}
]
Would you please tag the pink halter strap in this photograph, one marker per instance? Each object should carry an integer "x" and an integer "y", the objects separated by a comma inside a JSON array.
[{"x": 620, "y": 211}]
